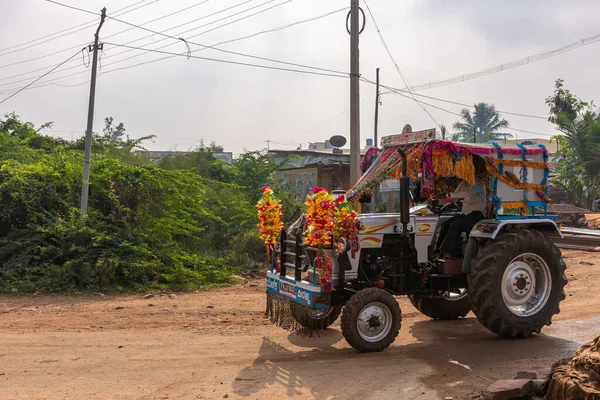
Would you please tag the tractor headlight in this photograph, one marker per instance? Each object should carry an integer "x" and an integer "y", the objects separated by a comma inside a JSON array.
[{"x": 342, "y": 246}]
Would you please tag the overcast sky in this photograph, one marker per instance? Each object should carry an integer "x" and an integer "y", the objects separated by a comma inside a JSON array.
[{"x": 182, "y": 101}]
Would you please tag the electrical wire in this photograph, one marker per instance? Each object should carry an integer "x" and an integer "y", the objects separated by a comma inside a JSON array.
[
  {"x": 231, "y": 52},
  {"x": 169, "y": 44},
  {"x": 396, "y": 64},
  {"x": 86, "y": 24},
  {"x": 169, "y": 29},
  {"x": 66, "y": 49},
  {"x": 145, "y": 37},
  {"x": 73, "y": 7},
  {"x": 458, "y": 103},
  {"x": 282, "y": 27},
  {"x": 400, "y": 93},
  {"x": 509, "y": 65},
  {"x": 37, "y": 79},
  {"x": 230, "y": 62},
  {"x": 115, "y": 34}
]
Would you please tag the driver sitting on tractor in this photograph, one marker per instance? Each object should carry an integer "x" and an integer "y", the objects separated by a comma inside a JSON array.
[{"x": 473, "y": 210}]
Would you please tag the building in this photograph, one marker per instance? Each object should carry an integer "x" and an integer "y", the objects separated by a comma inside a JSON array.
[
  {"x": 304, "y": 169},
  {"x": 155, "y": 156}
]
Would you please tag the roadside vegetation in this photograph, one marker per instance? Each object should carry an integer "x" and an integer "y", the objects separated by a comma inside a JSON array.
[{"x": 185, "y": 223}]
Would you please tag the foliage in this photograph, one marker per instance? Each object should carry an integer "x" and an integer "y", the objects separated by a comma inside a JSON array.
[
  {"x": 147, "y": 226},
  {"x": 111, "y": 132},
  {"x": 578, "y": 154},
  {"x": 563, "y": 102},
  {"x": 485, "y": 124}
]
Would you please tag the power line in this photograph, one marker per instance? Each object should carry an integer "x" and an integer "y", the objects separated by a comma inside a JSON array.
[
  {"x": 400, "y": 93},
  {"x": 509, "y": 65},
  {"x": 462, "y": 104},
  {"x": 177, "y": 26},
  {"x": 282, "y": 27},
  {"x": 86, "y": 24},
  {"x": 232, "y": 52},
  {"x": 34, "y": 81},
  {"x": 69, "y": 48},
  {"x": 396, "y": 64},
  {"x": 109, "y": 36},
  {"x": 73, "y": 8},
  {"x": 167, "y": 45},
  {"x": 228, "y": 61}
]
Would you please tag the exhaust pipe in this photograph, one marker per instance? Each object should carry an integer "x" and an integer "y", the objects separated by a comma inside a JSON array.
[{"x": 404, "y": 195}]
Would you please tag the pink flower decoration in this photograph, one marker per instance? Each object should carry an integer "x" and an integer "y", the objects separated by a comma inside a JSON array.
[{"x": 264, "y": 188}]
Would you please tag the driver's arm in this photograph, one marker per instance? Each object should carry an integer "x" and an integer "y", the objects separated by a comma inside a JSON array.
[{"x": 463, "y": 190}]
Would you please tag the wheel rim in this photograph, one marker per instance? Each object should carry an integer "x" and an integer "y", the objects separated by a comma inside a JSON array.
[
  {"x": 526, "y": 284},
  {"x": 452, "y": 296},
  {"x": 374, "y": 322},
  {"x": 320, "y": 314}
]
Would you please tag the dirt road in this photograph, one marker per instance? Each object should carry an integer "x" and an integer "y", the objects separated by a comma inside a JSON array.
[{"x": 216, "y": 344}]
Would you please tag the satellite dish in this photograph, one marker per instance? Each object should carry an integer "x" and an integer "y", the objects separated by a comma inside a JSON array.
[{"x": 337, "y": 141}]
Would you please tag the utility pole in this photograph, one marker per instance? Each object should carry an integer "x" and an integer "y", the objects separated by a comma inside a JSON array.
[
  {"x": 85, "y": 187},
  {"x": 354, "y": 94},
  {"x": 377, "y": 97},
  {"x": 474, "y": 134}
]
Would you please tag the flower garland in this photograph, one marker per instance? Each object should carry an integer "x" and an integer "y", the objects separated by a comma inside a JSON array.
[
  {"x": 320, "y": 210},
  {"x": 270, "y": 217},
  {"x": 346, "y": 224},
  {"x": 320, "y": 215}
]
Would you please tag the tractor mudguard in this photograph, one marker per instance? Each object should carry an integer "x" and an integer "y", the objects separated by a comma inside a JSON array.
[{"x": 491, "y": 228}]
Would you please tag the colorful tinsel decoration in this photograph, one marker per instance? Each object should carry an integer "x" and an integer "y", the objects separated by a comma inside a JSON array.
[{"x": 270, "y": 216}]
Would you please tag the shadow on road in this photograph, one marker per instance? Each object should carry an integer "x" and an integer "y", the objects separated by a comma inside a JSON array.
[{"x": 450, "y": 357}]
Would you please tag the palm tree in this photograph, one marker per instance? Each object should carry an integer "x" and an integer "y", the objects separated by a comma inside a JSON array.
[
  {"x": 484, "y": 125},
  {"x": 582, "y": 137}
]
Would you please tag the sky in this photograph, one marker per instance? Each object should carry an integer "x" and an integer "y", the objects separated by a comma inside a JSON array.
[{"x": 184, "y": 101}]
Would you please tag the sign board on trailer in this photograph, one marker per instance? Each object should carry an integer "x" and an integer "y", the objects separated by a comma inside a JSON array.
[{"x": 408, "y": 137}]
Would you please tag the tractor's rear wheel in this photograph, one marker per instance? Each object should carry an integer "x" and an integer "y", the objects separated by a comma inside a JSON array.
[
  {"x": 446, "y": 308},
  {"x": 310, "y": 318},
  {"x": 516, "y": 283},
  {"x": 371, "y": 320}
]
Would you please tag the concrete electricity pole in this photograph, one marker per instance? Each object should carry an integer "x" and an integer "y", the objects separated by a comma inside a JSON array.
[
  {"x": 377, "y": 97},
  {"x": 354, "y": 94},
  {"x": 90, "y": 122}
]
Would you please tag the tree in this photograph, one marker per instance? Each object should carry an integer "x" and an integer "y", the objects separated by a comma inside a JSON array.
[
  {"x": 443, "y": 131},
  {"x": 578, "y": 154},
  {"x": 563, "y": 102},
  {"x": 484, "y": 125},
  {"x": 579, "y": 168},
  {"x": 202, "y": 161},
  {"x": 111, "y": 132}
]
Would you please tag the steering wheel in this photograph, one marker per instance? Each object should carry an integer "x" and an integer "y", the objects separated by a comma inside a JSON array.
[{"x": 437, "y": 209}]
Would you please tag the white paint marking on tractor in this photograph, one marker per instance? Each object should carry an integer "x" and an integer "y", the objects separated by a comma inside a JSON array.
[{"x": 459, "y": 364}]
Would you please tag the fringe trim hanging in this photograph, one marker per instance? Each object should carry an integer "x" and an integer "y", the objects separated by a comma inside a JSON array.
[
  {"x": 442, "y": 163},
  {"x": 294, "y": 317},
  {"x": 465, "y": 169}
]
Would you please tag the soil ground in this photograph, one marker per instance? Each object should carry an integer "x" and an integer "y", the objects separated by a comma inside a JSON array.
[{"x": 217, "y": 344}]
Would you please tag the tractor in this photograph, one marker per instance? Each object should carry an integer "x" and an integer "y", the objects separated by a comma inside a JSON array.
[{"x": 509, "y": 273}]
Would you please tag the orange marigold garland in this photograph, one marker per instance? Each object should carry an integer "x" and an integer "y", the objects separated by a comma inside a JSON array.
[
  {"x": 346, "y": 224},
  {"x": 270, "y": 216},
  {"x": 320, "y": 216}
]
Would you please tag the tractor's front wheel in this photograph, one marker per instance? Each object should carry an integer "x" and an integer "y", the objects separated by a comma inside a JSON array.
[
  {"x": 322, "y": 318},
  {"x": 516, "y": 283},
  {"x": 371, "y": 320}
]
